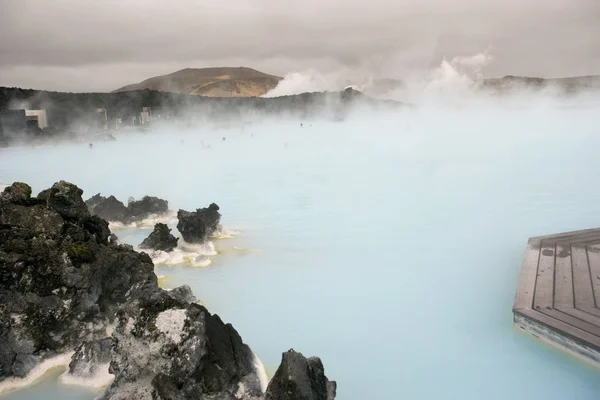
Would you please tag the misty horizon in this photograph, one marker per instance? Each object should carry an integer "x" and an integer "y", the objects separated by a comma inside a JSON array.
[{"x": 101, "y": 46}]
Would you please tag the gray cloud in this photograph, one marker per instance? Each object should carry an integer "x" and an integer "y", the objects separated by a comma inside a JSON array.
[{"x": 100, "y": 45}]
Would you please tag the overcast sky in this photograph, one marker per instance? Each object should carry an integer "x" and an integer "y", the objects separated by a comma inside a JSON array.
[{"x": 86, "y": 45}]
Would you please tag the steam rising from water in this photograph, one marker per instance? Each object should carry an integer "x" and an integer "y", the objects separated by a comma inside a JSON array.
[
  {"x": 390, "y": 246},
  {"x": 304, "y": 82},
  {"x": 457, "y": 81},
  {"x": 460, "y": 72}
]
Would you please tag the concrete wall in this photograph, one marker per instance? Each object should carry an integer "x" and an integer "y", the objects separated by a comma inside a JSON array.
[
  {"x": 42, "y": 117},
  {"x": 144, "y": 117}
]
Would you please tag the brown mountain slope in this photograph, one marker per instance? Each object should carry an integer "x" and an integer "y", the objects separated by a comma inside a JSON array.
[{"x": 211, "y": 82}]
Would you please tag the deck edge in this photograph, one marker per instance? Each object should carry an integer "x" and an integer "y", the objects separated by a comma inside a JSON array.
[{"x": 556, "y": 339}]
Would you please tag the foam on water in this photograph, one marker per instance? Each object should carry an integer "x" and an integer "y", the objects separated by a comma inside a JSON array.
[
  {"x": 261, "y": 372},
  {"x": 100, "y": 380},
  {"x": 195, "y": 255},
  {"x": 224, "y": 233},
  {"x": 147, "y": 223},
  {"x": 60, "y": 361}
]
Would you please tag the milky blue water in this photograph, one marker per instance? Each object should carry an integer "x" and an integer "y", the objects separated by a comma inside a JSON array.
[{"x": 389, "y": 246}]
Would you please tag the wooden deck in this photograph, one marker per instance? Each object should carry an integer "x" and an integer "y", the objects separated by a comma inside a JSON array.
[{"x": 559, "y": 291}]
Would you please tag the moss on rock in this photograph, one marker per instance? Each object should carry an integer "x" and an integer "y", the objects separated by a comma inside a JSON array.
[{"x": 80, "y": 253}]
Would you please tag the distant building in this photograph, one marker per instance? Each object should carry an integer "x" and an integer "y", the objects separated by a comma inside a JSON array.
[
  {"x": 101, "y": 119},
  {"x": 145, "y": 115},
  {"x": 40, "y": 116},
  {"x": 13, "y": 122}
]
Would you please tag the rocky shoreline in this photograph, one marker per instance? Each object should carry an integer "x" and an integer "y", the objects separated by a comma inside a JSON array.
[{"x": 66, "y": 287}]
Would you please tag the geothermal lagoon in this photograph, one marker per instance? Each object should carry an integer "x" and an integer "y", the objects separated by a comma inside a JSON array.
[{"x": 389, "y": 246}]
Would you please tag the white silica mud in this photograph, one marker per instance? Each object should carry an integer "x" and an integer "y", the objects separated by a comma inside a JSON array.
[
  {"x": 390, "y": 246},
  {"x": 59, "y": 362},
  {"x": 102, "y": 379},
  {"x": 185, "y": 254},
  {"x": 147, "y": 223},
  {"x": 170, "y": 322}
]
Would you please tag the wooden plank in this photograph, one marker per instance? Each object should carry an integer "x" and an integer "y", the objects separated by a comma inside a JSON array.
[
  {"x": 595, "y": 239},
  {"x": 572, "y": 321},
  {"x": 580, "y": 315},
  {"x": 591, "y": 310},
  {"x": 593, "y": 253},
  {"x": 526, "y": 285},
  {"x": 559, "y": 285},
  {"x": 563, "y": 277},
  {"x": 544, "y": 285},
  {"x": 588, "y": 241},
  {"x": 568, "y": 235},
  {"x": 563, "y": 328},
  {"x": 582, "y": 286}
]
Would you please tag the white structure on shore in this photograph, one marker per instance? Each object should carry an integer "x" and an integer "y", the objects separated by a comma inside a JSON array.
[
  {"x": 38, "y": 115},
  {"x": 102, "y": 118},
  {"x": 145, "y": 115}
]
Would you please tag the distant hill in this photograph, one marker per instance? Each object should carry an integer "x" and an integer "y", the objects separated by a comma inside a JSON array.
[
  {"x": 506, "y": 85},
  {"x": 210, "y": 82},
  {"x": 568, "y": 85},
  {"x": 76, "y": 113}
]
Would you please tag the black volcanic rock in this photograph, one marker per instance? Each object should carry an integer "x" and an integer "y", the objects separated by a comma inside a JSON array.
[
  {"x": 64, "y": 286},
  {"x": 147, "y": 206},
  {"x": 18, "y": 193},
  {"x": 108, "y": 208},
  {"x": 167, "y": 348},
  {"x": 299, "y": 378},
  {"x": 61, "y": 283},
  {"x": 65, "y": 198},
  {"x": 90, "y": 357},
  {"x": 182, "y": 293},
  {"x": 111, "y": 209},
  {"x": 196, "y": 226},
  {"x": 160, "y": 239}
]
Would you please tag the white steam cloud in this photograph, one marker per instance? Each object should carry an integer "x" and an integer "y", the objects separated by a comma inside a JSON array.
[
  {"x": 452, "y": 76},
  {"x": 303, "y": 82}
]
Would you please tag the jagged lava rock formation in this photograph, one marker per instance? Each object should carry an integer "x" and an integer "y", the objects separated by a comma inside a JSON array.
[
  {"x": 168, "y": 347},
  {"x": 299, "y": 378},
  {"x": 160, "y": 239},
  {"x": 63, "y": 285},
  {"x": 147, "y": 206},
  {"x": 111, "y": 209},
  {"x": 196, "y": 226},
  {"x": 91, "y": 362}
]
